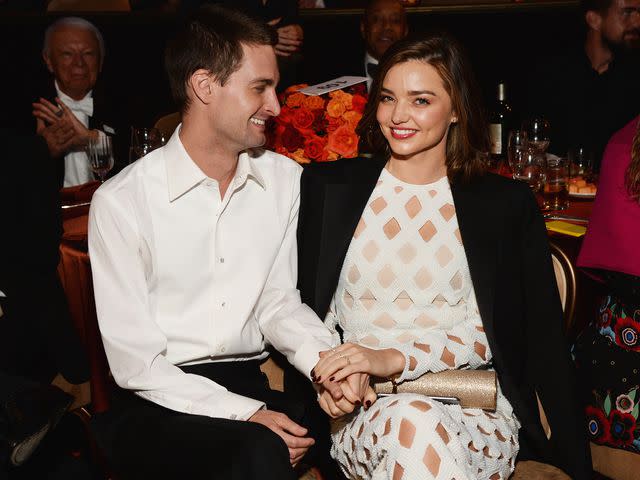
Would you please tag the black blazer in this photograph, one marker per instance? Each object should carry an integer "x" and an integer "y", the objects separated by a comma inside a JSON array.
[{"x": 506, "y": 246}]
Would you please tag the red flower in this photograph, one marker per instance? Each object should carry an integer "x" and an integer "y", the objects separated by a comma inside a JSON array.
[
  {"x": 358, "y": 103},
  {"x": 597, "y": 425},
  {"x": 286, "y": 116},
  {"x": 303, "y": 119},
  {"x": 627, "y": 334},
  {"x": 343, "y": 141},
  {"x": 621, "y": 428},
  {"x": 292, "y": 139},
  {"x": 314, "y": 149}
]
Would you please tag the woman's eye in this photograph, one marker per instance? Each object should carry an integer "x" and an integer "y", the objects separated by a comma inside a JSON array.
[
  {"x": 422, "y": 101},
  {"x": 385, "y": 99}
]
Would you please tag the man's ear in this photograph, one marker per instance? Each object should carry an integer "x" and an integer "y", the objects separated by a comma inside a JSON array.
[
  {"x": 593, "y": 19},
  {"x": 202, "y": 84},
  {"x": 47, "y": 61}
]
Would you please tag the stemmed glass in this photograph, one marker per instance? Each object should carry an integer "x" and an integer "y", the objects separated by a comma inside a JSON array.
[
  {"x": 517, "y": 142},
  {"x": 100, "y": 154},
  {"x": 143, "y": 141},
  {"x": 528, "y": 166},
  {"x": 537, "y": 129}
]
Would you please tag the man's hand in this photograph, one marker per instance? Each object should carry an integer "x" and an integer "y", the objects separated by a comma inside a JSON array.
[
  {"x": 289, "y": 38},
  {"x": 59, "y": 136},
  {"x": 50, "y": 114},
  {"x": 292, "y": 433}
]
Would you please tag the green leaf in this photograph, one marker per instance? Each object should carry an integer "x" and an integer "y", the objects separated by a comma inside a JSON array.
[
  {"x": 635, "y": 411},
  {"x": 607, "y": 405}
]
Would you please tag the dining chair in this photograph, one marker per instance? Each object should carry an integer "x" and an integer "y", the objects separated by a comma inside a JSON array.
[
  {"x": 167, "y": 124},
  {"x": 565, "y": 274}
]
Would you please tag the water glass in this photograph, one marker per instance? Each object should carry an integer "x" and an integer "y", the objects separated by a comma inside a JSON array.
[
  {"x": 517, "y": 142},
  {"x": 537, "y": 129},
  {"x": 556, "y": 187},
  {"x": 100, "y": 155},
  {"x": 143, "y": 141},
  {"x": 580, "y": 163},
  {"x": 528, "y": 166}
]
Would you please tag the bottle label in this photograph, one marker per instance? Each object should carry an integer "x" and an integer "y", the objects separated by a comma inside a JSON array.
[{"x": 495, "y": 130}]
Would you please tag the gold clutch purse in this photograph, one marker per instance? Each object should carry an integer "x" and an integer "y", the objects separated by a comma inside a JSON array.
[{"x": 472, "y": 388}]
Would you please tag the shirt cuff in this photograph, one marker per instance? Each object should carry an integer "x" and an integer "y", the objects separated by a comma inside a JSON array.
[{"x": 308, "y": 356}]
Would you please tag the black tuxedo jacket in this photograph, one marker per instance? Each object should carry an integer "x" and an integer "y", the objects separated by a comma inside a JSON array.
[{"x": 507, "y": 249}]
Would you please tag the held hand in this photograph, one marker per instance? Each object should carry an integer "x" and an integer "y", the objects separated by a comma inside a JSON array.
[
  {"x": 350, "y": 358},
  {"x": 334, "y": 408},
  {"x": 292, "y": 433},
  {"x": 290, "y": 38}
]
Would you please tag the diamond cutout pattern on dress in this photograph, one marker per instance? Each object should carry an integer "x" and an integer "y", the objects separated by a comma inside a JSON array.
[
  {"x": 354, "y": 274},
  {"x": 403, "y": 300},
  {"x": 378, "y": 205},
  {"x": 432, "y": 460},
  {"x": 360, "y": 228},
  {"x": 407, "y": 433},
  {"x": 386, "y": 276},
  {"x": 413, "y": 207},
  {"x": 458, "y": 236},
  {"x": 368, "y": 300},
  {"x": 370, "y": 251},
  {"x": 407, "y": 253},
  {"x": 433, "y": 193},
  {"x": 423, "y": 278},
  {"x": 456, "y": 281},
  {"x": 348, "y": 300},
  {"x": 385, "y": 321},
  {"x": 447, "y": 211},
  {"x": 444, "y": 256},
  {"x": 370, "y": 340},
  {"x": 424, "y": 320},
  {"x": 406, "y": 337},
  {"x": 427, "y": 231},
  {"x": 391, "y": 228},
  {"x": 397, "y": 189}
]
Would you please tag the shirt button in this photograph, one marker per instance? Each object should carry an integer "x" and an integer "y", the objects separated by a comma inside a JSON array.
[
  {"x": 221, "y": 259},
  {"x": 223, "y": 349},
  {"x": 223, "y": 304}
]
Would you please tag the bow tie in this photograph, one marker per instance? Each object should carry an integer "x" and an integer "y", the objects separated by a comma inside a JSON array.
[
  {"x": 85, "y": 105},
  {"x": 372, "y": 69}
]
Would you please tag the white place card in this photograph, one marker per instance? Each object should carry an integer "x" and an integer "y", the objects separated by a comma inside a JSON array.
[{"x": 331, "y": 85}]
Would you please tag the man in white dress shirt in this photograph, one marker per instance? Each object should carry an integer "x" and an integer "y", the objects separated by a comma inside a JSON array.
[
  {"x": 193, "y": 252},
  {"x": 73, "y": 52},
  {"x": 384, "y": 22}
]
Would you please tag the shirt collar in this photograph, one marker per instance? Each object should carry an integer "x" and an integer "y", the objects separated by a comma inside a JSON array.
[
  {"x": 66, "y": 98},
  {"x": 369, "y": 59},
  {"x": 183, "y": 174}
]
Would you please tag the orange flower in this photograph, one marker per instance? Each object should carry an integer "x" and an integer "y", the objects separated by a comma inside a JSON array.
[
  {"x": 333, "y": 123},
  {"x": 313, "y": 102},
  {"x": 342, "y": 97},
  {"x": 295, "y": 88},
  {"x": 299, "y": 157},
  {"x": 335, "y": 108},
  {"x": 303, "y": 119},
  {"x": 295, "y": 100},
  {"x": 314, "y": 148},
  {"x": 343, "y": 141},
  {"x": 358, "y": 103},
  {"x": 352, "y": 117}
]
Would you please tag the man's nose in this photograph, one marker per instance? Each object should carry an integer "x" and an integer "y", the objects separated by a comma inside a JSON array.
[
  {"x": 78, "y": 61},
  {"x": 273, "y": 104}
]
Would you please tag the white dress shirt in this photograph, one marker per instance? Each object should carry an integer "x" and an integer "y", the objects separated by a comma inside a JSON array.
[
  {"x": 76, "y": 163},
  {"x": 369, "y": 59},
  {"x": 182, "y": 276}
]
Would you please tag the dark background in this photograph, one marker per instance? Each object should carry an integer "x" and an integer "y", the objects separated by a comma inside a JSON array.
[{"x": 505, "y": 43}]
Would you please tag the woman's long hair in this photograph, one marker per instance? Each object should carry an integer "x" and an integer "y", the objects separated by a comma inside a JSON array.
[
  {"x": 468, "y": 141},
  {"x": 632, "y": 176}
]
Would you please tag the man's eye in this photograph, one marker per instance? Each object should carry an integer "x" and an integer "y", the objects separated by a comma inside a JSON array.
[{"x": 259, "y": 89}]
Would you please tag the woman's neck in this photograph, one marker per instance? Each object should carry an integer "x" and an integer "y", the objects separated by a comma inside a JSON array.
[{"x": 418, "y": 170}]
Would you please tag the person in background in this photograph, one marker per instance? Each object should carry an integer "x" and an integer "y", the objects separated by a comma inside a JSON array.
[
  {"x": 73, "y": 52},
  {"x": 607, "y": 352},
  {"x": 420, "y": 261},
  {"x": 590, "y": 92},
  {"x": 384, "y": 22},
  {"x": 193, "y": 254}
]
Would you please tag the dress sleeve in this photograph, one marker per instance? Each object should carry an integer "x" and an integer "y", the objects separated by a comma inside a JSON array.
[{"x": 463, "y": 346}]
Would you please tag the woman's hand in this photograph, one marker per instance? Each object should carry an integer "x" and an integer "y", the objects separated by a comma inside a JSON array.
[
  {"x": 337, "y": 364},
  {"x": 336, "y": 409}
]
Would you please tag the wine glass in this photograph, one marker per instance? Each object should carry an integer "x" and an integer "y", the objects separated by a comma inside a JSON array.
[
  {"x": 100, "y": 154},
  {"x": 518, "y": 141},
  {"x": 143, "y": 141},
  {"x": 537, "y": 129},
  {"x": 528, "y": 166},
  {"x": 580, "y": 162}
]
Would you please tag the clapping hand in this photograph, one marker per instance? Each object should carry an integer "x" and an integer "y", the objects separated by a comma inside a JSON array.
[
  {"x": 50, "y": 114},
  {"x": 290, "y": 38}
]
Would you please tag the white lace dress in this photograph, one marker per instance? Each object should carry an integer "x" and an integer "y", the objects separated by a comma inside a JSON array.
[{"x": 405, "y": 284}]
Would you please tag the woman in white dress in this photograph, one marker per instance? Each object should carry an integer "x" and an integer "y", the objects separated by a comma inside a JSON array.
[{"x": 406, "y": 300}]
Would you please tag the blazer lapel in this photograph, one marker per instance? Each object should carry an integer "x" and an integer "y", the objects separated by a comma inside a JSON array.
[
  {"x": 480, "y": 238},
  {"x": 344, "y": 202}
]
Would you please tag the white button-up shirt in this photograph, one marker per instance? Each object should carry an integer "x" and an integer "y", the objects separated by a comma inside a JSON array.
[{"x": 182, "y": 276}]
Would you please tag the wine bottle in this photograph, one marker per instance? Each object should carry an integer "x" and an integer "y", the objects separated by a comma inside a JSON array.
[{"x": 499, "y": 124}]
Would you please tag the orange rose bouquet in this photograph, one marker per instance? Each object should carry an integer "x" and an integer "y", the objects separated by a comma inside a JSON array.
[{"x": 317, "y": 128}]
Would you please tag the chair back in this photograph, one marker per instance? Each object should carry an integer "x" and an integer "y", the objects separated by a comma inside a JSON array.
[
  {"x": 167, "y": 124},
  {"x": 566, "y": 279}
]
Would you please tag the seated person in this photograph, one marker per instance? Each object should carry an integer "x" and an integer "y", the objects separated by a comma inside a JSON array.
[
  {"x": 423, "y": 262},
  {"x": 607, "y": 352},
  {"x": 193, "y": 253},
  {"x": 73, "y": 53}
]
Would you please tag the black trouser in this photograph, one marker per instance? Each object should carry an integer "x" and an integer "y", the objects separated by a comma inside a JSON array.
[{"x": 149, "y": 441}]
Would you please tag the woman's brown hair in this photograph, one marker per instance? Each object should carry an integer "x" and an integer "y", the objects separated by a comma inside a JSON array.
[
  {"x": 632, "y": 176},
  {"x": 468, "y": 141}
]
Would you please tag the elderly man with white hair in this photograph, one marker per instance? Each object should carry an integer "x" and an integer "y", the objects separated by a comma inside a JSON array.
[{"x": 73, "y": 53}]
